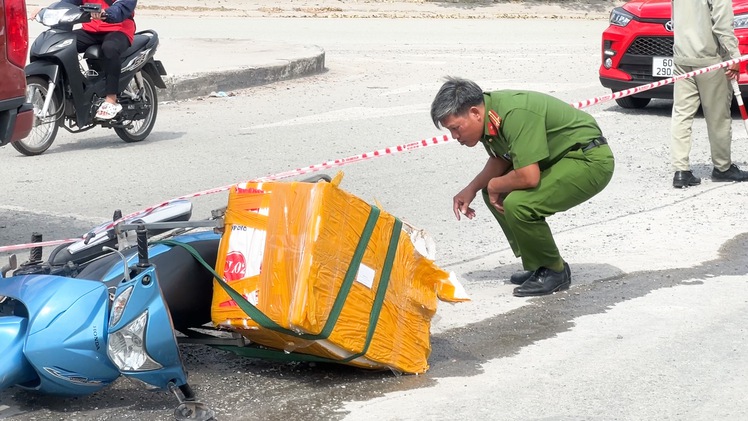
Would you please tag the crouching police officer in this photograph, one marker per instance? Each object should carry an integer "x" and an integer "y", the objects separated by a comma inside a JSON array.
[{"x": 545, "y": 156}]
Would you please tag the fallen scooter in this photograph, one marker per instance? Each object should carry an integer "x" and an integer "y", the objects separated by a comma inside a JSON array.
[
  {"x": 101, "y": 307},
  {"x": 71, "y": 336}
]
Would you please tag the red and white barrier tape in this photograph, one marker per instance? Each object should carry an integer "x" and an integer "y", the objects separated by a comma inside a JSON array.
[
  {"x": 361, "y": 157},
  {"x": 375, "y": 154},
  {"x": 741, "y": 105},
  {"x": 39, "y": 244},
  {"x": 642, "y": 88},
  {"x": 138, "y": 214},
  {"x": 299, "y": 171}
]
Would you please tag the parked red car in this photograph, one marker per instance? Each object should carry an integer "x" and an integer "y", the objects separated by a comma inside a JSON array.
[
  {"x": 637, "y": 49},
  {"x": 16, "y": 115}
]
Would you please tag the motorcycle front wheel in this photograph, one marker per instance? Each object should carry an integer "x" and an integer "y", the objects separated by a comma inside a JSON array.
[
  {"x": 44, "y": 130},
  {"x": 137, "y": 130}
]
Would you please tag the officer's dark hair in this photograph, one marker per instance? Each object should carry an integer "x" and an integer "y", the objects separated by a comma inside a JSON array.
[{"x": 455, "y": 97}]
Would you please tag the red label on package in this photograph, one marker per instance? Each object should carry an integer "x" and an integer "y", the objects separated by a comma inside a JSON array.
[{"x": 235, "y": 266}]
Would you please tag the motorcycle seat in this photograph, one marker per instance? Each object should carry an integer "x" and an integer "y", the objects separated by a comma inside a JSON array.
[{"x": 94, "y": 52}]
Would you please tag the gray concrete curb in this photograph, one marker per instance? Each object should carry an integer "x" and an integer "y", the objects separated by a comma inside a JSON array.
[{"x": 191, "y": 86}]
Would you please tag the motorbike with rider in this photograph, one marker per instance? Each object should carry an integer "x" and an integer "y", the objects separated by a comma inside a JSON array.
[{"x": 113, "y": 86}]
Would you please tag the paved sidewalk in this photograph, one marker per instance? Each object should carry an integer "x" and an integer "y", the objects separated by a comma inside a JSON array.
[{"x": 194, "y": 71}]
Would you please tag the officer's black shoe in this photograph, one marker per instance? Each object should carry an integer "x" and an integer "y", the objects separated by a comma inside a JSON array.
[
  {"x": 732, "y": 174},
  {"x": 519, "y": 278},
  {"x": 685, "y": 179},
  {"x": 543, "y": 282}
]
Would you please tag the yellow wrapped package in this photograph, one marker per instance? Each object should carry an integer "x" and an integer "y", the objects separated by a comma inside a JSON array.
[{"x": 328, "y": 275}]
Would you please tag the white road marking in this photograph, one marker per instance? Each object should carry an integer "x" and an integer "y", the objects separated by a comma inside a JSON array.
[{"x": 348, "y": 114}]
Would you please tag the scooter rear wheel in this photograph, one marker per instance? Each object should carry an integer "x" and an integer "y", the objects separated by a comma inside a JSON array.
[
  {"x": 138, "y": 130},
  {"x": 44, "y": 131}
]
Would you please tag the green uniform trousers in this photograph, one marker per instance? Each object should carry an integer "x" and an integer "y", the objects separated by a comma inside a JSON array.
[{"x": 574, "y": 179}]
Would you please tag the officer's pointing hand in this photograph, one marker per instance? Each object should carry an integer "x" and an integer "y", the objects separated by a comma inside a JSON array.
[
  {"x": 461, "y": 205},
  {"x": 465, "y": 210}
]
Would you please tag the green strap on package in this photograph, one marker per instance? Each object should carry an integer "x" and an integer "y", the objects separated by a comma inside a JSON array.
[{"x": 264, "y": 321}]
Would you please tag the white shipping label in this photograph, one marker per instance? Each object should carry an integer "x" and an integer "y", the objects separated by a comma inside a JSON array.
[
  {"x": 365, "y": 275},
  {"x": 245, "y": 252}
]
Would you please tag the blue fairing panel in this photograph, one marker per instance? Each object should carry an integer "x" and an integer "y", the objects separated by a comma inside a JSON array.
[{"x": 14, "y": 368}]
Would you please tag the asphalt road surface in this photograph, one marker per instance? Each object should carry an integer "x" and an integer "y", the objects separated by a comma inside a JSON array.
[{"x": 652, "y": 327}]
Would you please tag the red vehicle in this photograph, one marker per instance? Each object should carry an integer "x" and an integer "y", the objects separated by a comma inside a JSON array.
[
  {"x": 637, "y": 49},
  {"x": 16, "y": 115}
]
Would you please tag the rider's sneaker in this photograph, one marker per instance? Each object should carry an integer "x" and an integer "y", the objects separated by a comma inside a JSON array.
[{"x": 107, "y": 111}]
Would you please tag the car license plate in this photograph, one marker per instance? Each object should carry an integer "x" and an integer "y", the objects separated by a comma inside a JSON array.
[{"x": 662, "y": 66}]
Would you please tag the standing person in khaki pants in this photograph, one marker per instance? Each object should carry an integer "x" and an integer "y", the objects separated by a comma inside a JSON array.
[{"x": 703, "y": 36}]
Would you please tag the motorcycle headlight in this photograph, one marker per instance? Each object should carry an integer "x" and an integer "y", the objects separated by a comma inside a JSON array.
[
  {"x": 50, "y": 17},
  {"x": 741, "y": 21},
  {"x": 126, "y": 347},
  {"x": 620, "y": 17}
]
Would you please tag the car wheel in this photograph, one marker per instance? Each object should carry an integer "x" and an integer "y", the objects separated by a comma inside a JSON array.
[{"x": 633, "y": 102}]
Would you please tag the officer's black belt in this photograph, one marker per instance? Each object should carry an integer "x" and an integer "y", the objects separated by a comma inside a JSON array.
[{"x": 595, "y": 143}]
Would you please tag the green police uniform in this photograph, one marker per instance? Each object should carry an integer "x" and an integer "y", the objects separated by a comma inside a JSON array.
[{"x": 536, "y": 127}]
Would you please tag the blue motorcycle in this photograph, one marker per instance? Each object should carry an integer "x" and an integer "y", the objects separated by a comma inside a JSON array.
[
  {"x": 73, "y": 328},
  {"x": 102, "y": 307}
]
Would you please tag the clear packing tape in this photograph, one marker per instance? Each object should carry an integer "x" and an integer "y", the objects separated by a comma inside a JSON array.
[{"x": 333, "y": 275}]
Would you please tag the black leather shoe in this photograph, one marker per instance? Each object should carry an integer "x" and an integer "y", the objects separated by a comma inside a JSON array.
[
  {"x": 543, "y": 282},
  {"x": 519, "y": 278},
  {"x": 685, "y": 179},
  {"x": 732, "y": 174}
]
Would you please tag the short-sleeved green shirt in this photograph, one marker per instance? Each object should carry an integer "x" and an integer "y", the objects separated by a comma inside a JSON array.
[{"x": 535, "y": 127}]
